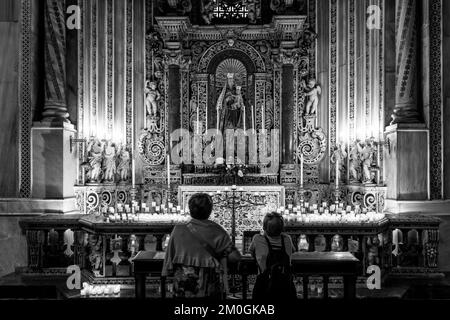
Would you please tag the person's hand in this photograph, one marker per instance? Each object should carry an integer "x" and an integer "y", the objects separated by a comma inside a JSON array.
[{"x": 234, "y": 256}]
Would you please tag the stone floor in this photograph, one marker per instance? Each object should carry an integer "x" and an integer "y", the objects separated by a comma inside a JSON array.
[{"x": 15, "y": 286}]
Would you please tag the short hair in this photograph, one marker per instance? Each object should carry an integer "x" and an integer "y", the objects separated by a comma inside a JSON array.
[
  {"x": 200, "y": 206},
  {"x": 273, "y": 224}
]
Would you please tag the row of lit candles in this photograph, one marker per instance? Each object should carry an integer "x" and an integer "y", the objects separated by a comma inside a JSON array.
[
  {"x": 322, "y": 209},
  {"x": 99, "y": 290},
  {"x": 345, "y": 217},
  {"x": 143, "y": 208}
]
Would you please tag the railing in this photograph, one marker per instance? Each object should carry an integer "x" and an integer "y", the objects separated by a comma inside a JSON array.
[{"x": 399, "y": 244}]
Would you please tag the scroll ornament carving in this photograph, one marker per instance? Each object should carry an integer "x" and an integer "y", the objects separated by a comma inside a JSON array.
[{"x": 151, "y": 147}]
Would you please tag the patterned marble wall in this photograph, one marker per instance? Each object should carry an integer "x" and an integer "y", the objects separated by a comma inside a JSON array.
[
  {"x": 9, "y": 34},
  {"x": 446, "y": 98},
  {"x": 111, "y": 63},
  {"x": 111, "y": 50},
  {"x": 350, "y": 68}
]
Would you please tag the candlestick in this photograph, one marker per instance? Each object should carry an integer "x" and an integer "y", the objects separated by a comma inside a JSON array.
[
  {"x": 263, "y": 109},
  {"x": 301, "y": 170},
  {"x": 218, "y": 120},
  {"x": 337, "y": 172},
  {"x": 168, "y": 170},
  {"x": 198, "y": 119},
  {"x": 253, "y": 117},
  {"x": 244, "y": 120},
  {"x": 263, "y": 120},
  {"x": 133, "y": 172}
]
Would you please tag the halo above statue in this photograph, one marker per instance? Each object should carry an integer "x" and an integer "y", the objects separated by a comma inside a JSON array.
[{"x": 233, "y": 68}]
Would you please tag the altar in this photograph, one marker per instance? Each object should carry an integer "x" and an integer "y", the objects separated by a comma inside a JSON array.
[
  {"x": 238, "y": 111},
  {"x": 244, "y": 210}
]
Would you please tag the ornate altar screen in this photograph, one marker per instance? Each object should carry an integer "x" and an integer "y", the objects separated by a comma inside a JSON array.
[{"x": 254, "y": 70}]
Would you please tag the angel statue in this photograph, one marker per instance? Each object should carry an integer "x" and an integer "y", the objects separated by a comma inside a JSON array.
[
  {"x": 94, "y": 160},
  {"x": 353, "y": 162},
  {"x": 339, "y": 154},
  {"x": 123, "y": 167},
  {"x": 313, "y": 91},
  {"x": 367, "y": 157},
  {"x": 152, "y": 97},
  {"x": 207, "y": 8},
  {"x": 110, "y": 161}
]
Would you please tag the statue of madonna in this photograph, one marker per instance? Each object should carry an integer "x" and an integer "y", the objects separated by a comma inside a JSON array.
[{"x": 230, "y": 106}]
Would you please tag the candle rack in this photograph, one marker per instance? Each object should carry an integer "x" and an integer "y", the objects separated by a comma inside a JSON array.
[{"x": 237, "y": 199}]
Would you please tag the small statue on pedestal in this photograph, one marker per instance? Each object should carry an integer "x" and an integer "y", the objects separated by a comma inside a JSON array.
[
  {"x": 110, "y": 161},
  {"x": 339, "y": 155},
  {"x": 367, "y": 157},
  {"x": 354, "y": 162},
  {"x": 123, "y": 168},
  {"x": 95, "y": 159}
]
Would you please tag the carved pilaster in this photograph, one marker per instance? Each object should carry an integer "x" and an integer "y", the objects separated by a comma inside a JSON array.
[
  {"x": 55, "y": 108},
  {"x": 405, "y": 110},
  {"x": 289, "y": 61},
  {"x": 174, "y": 60}
]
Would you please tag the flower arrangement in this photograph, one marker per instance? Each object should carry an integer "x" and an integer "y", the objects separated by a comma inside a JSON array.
[{"x": 235, "y": 170}]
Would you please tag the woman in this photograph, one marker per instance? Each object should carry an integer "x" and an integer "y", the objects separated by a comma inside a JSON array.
[
  {"x": 197, "y": 253},
  {"x": 273, "y": 251}
]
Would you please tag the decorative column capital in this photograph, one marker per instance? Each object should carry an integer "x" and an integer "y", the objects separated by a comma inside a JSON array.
[
  {"x": 291, "y": 56},
  {"x": 176, "y": 57}
]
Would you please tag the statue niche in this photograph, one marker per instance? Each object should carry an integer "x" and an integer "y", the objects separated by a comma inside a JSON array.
[
  {"x": 231, "y": 89},
  {"x": 230, "y": 106}
]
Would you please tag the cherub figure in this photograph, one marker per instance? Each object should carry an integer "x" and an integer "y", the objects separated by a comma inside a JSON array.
[
  {"x": 123, "y": 167},
  {"x": 152, "y": 97},
  {"x": 313, "y": 90},
  {"x": 251, "y": 8},
  {"x": 208, "y": 10}
]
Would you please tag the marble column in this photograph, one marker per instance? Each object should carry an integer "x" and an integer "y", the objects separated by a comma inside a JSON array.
[
  {"x": 55, "y": 108},
  {"x": 174, "y": 98},
  {"x": 54, "y": 162},
  {"x": 406, "y": 159},
  {"x": 406, "y": 38},
  {"x": 288, "y": 176},
  {"x": 174, "y": 63}
]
